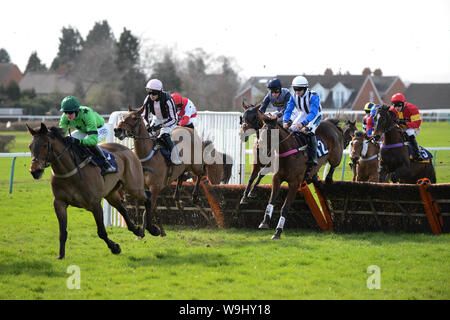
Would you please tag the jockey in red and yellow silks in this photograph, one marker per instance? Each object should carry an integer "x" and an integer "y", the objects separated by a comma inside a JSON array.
[{"x": 408, "y": 118}]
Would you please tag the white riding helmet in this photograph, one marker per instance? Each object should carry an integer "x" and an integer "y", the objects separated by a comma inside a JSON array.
[
  {"x": 154, "y": 84},
  {"x": 300, "y": 81}
]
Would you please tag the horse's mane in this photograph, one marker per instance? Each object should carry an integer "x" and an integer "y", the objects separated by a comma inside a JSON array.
[
  {"x": 56, "y": 133},
  {"x": 336, "y": 123},
  {"x": 359, "y": 133}
]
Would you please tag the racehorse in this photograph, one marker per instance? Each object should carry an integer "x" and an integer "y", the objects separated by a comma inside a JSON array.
[
  {"x": 158, "y": 173},
  {"x": 292, "y": 162},
  {"x": 394, "y": 152},
  {"x": 76, "y": 182},
  {"x": 251, "y": 121},
  {"x": 364, "y": 154},
  {"x": 348, "y": 129}
]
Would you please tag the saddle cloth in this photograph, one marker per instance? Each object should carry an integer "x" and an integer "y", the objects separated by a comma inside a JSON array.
[
  {"x": 426, "y": 155},
  {"x": 321, "y": 148},
  {"x": 109, "y": 156}
]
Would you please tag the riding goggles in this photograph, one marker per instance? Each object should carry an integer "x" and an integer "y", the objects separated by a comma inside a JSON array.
[{"x": 153, "y": 92}]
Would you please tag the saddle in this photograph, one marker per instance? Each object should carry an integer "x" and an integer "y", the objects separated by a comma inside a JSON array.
[
  {"x": 161, "y": 146},
  {"x": 302, "y": 140},
  {"x": 426, "y": 155},
  {"x": 84, "y": 153}
]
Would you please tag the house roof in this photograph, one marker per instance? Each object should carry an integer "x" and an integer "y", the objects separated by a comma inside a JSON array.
[
  {"x": 428, "y": 95},
  {"x": 328, "y": 82},
  {"x": 46, "y": 82},
  {"x": 383, "y": 83},
  {"x": 5, "y": 71}
]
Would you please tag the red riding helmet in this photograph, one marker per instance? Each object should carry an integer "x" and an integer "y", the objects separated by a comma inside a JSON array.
[
  {"x": 176, "y": 98},
  {"x": 398, "y": 97}
]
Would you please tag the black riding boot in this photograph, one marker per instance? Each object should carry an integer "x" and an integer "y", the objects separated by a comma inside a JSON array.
[
  {"x": 312, "y": 150},
  {"x": 107, "y": 167},
  {"x": 412, "y": 140},
  {"x": 170, "y": 145}
]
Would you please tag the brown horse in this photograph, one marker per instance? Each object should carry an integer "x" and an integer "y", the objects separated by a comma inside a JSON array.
[
  {"x": 251, "y": 123},
  {"x": 292, "y": 162},
  {"x": 78, "y": 183},
  {"x": 348, "y": 130},
  {"x": 364, "y": 154},
  {"x": 394, "y": 152},
  {"x": 158, "y": 174}
]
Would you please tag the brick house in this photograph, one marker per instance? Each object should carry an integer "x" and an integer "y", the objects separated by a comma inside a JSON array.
[
  {"x": 46, "y": 82},
  {"x": 9, "y": 72},
  {"x": 349, "y": 92}
]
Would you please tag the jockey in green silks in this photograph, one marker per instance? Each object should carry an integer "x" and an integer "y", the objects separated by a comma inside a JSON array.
[{"x": 89, "y": 125}]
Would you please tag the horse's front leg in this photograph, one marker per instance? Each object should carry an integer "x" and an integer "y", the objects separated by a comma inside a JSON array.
[
  {"x": 382, "y": 173},
  {"x": 196, "y": 190},
  {"x": 61, "y": 214},
  {"x": 329, "y": 177},
  {"x": 101, "y": 231},
  {"x": 293, "y": 188},
  {"x": 147, "y": 217},
  {"x": 176, "y": 195},
  {"x": 255, "y": 170},
  {"x": 276, "y": 182}
]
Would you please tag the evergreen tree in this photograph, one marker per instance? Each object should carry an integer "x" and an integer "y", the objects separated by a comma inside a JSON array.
[
  {"x": 166, "y": 71},
  {"x": 127, "y": 50},
  {"x": 34, "y": 63},
  {"x": 4, "y": 56},
  {"x": 101, "y": 32},
  {"x": 70, "y": 46}
]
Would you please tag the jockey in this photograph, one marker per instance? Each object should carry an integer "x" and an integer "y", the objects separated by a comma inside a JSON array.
[
  {"x": 370, "y": 122},
  {"x": 308, "y": 102},
  {"x": 90, "y": 128},
  {"x": 278, "y": 97},
  {"x": 408, "y": 118},
  {"x": 161, "y": 105},
  {"x": 186, "y": 111},
  {"x": 367, "y": 109}
]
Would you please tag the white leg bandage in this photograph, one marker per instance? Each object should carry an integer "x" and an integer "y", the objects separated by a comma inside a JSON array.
[{"x": 269, "y": 210}]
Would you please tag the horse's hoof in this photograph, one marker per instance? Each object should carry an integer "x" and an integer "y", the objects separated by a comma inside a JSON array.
[
  {"x": 252, "y": 195},
  {"x": 154, "y": 230},
  {"x": 244, "y": 200},
  {"x": 163, "y": 233},
  {"x": 116, "y": 249},
  {"x": 140, "y": 232},
  {"x": 179, "y": 205},
  {"x": 195, "y": 200},
  {"x": 277, "y": 234},
  {"x": 60, "y": 257},
  {"x": 263, "y": 225}
]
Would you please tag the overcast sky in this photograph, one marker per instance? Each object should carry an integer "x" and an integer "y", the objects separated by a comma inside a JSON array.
[{"x": 409, "y": 38}]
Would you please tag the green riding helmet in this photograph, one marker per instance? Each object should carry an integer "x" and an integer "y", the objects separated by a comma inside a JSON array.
[{"x": 70, "y": 103}]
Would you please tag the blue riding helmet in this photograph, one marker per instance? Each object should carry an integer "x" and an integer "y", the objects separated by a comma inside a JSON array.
[
  {"x": 274, "y": 83},
  {"x": 374, "y": 109}
]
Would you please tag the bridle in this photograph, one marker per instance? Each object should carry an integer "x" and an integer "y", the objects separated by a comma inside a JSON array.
[
  {"x": 129, "y": 131},
  {"x": 50, "y": 151}
]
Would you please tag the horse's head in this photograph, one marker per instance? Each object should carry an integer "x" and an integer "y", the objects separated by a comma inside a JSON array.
[
  {"x": 250, "y": 120},
  {"x": 384, "y": 121},
  {"x": 42, "y": 150},
  {"x": 357, "y": 145},
  {"x": 348, "y": 131},
  {"x": 129, "y": 127}
]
